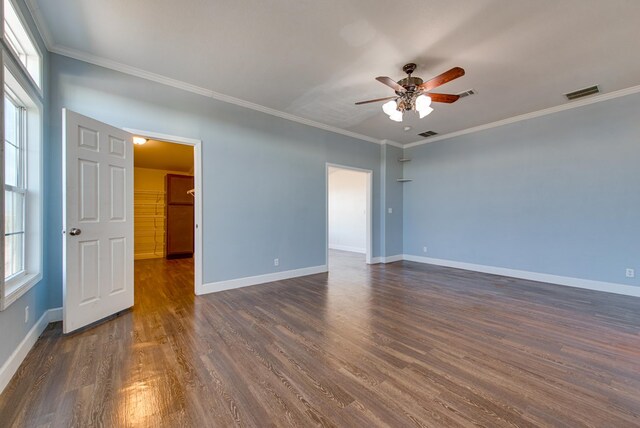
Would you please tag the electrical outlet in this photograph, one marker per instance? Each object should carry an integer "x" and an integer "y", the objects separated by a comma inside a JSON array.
[
  {"x": 424, "y": 249},
  {"x": 276, "y": 262},
  {"x": 630, "y": 273},
  {"x": 26, "y": 314},
  {"x": 390, "y": 210}
]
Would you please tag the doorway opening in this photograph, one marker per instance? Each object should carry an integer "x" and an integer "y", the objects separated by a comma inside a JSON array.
[
  {"x": 166, "y": 217},
  {"x": 348, "y": 214}
]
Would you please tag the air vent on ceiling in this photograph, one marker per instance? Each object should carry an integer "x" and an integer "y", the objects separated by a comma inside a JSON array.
[
  {"x": 583, "y": 92},
  {"x": 466, "y": 93},
  {"x": 428, "y": 134}
]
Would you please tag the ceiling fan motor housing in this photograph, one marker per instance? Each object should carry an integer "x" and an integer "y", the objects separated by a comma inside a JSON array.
[
  {"x": 409, "y": 68},
  {"x": 410, "y": 83}
]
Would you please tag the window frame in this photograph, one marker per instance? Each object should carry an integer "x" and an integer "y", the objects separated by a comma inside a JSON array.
[
  {"x": 37, "y": 85},
  {"x": 13, "y": 76}
]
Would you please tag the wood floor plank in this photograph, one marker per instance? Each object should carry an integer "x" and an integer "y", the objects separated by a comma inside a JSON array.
[{"x": 402, "y": 344}]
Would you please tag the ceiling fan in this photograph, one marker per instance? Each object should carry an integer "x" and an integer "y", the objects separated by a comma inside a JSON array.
[{"x": 412, "y": 93}]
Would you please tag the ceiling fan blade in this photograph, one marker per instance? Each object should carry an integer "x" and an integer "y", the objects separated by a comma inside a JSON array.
[
  {"x": 443, "y": 78},
  {"x": 443, "y": 98},
  {"x": 390, "y": 83},
  {"x": 376, "y": 100}
]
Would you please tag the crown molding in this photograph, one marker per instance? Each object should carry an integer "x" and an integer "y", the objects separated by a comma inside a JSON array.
[
  {"x": 134, "y": 71},
  {"x": 392, "y": 143},
  {"x": 41, "y": 25},
  {"x": 531, "y": 115},
  {"x": 178, "y": 84}
]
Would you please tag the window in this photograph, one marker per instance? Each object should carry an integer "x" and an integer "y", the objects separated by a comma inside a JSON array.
[
  {"x": 22, "y": 196},
  {"x": 14, "y": 185},
  {"x": 21, "y": 42}
]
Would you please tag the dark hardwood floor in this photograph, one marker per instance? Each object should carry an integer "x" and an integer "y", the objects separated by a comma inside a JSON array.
[{"x": 396, "y": 345}]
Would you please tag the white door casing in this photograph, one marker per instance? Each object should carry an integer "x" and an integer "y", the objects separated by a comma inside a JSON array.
[
  {"x": 197, "y": 175},
  {"x": 98, "y": 195}
]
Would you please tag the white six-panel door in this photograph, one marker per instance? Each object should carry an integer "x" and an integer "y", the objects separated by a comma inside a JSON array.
[{"x": 97, "y": 219}]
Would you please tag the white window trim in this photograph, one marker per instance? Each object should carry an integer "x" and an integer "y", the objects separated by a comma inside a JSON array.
[
  {"x": 22, "y": 86},
  {"x": 23, "y": 69}
]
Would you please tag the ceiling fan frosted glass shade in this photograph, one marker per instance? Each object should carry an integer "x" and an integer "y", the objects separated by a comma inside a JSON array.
[
  {"x": 423, "y": 104},
  {"x": 423, "y": 101},
  {"x": 390, "y": 107},
  {"x": 424, "y": 111},
  {"x": 396, "y": 116}
]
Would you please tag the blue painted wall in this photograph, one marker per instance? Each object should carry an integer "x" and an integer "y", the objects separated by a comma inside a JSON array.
[
  {"x": 393, "y": 194},
  {"x": 13, "y": 328},
  {"x": 263, "y": 177},
  {"x": 558, "y": 194}
]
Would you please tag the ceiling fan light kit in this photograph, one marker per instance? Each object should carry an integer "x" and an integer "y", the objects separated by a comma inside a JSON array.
[{"x": 412, "y": 93}]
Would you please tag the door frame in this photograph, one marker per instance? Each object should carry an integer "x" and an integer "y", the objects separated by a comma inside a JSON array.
[
  {"x": 197, "y": 178},
  {"x": 369, "y": 208}
]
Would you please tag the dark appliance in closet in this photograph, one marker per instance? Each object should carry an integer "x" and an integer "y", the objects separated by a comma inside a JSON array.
[{"x": 180, "y": 216}]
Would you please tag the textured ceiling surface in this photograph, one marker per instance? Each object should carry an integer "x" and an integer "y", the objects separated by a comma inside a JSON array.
[{"x": 314, "y": 59}]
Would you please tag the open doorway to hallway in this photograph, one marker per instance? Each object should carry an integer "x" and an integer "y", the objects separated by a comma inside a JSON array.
[
  {"x": 348, "y": 214},
  {"x": 164, "y": 219}
]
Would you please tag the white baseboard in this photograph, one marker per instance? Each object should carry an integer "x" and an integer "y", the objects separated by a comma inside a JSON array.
[
  {"x": 10, "y": 367},
  {"x": 230, "y": 284},
  {"x": 609, "y": 287},
  {"x": 388, "y": 259},
  {"x": 347, "y": 248},
  {"x": 55, "y": 314}
]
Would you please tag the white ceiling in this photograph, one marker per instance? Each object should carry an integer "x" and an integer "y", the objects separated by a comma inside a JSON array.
[
  {"x": 161, "y": 155},
  {"x": 314, "y": 59}
]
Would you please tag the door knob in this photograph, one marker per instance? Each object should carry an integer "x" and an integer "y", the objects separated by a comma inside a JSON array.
[{"x": 75, "y": 231}]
